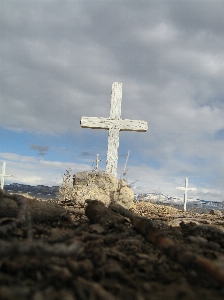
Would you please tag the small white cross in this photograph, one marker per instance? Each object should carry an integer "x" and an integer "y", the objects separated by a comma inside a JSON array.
[
  {"x": 186, "y": 189},
  {"x": 3, "y": 175},
  {"x": 114, "y": 124},
  {"x": 97, "y": 162}
]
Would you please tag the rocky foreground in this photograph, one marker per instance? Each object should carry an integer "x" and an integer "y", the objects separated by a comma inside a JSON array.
[{"x": 94, "y": 252}]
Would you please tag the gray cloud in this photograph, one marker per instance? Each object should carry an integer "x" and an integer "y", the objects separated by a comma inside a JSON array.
[
  {"x": 86, "y": 154},
  {"x": 42, "y": 150}
]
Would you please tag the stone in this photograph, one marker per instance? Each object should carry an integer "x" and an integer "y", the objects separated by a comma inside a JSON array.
[{"x": 101, "y": 186}]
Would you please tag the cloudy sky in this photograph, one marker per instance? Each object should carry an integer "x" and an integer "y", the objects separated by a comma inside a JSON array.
[{"x": 58, "y": 62}]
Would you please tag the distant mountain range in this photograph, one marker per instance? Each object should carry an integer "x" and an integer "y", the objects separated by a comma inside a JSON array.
[
  {"x": 177, "y": 202},
  {"x": 41, "y": 191},
  {"x": 47, "y": 192}
]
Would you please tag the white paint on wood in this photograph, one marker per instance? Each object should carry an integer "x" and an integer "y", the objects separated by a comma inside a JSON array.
[
  {"x": 114, "y": 124},
  {"x": 107, "y": 123},
  {"x": 186, "y": 189},
  {"x": 3, "y": 175}
]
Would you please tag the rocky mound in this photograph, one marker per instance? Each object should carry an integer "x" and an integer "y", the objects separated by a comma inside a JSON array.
[{"x": 103, "y": 187}]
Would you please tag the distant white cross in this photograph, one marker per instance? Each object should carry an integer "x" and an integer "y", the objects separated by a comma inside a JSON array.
[
  {"x": 114, "y": 124},
  {"x": 3, "y": 175},
  {"x": 97, "y": 163},
  {"x": 186, "y": 189}
]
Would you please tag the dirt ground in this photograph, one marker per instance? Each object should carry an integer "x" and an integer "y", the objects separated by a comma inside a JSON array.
[{"x": 77, "y": 259}]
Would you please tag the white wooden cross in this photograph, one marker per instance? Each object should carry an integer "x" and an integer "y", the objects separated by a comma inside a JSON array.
[
  {"x": 3, "y": 175},
  {"x": 114, "y": 124},
  {"x": 185, "y": 189},
  {"x": 97, "y": 163}
]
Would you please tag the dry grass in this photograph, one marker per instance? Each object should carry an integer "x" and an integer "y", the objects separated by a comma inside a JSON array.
[{"x": 66, "y": 191}]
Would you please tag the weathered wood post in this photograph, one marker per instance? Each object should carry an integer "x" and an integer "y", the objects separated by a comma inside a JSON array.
[
  {"x": 114, "y": 124},
  {"x": 186, "y": 189}
]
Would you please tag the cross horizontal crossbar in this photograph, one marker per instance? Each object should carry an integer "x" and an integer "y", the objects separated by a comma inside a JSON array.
[
  {"x": 185, "y": 188},
  {"x": 107, "y": 123}
]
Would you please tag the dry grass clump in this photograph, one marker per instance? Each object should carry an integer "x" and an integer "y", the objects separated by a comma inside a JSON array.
[{"x": 66, "y": 191}]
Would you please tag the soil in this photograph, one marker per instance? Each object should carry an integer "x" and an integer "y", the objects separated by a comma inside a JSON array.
[{"x": 73, "y": 258}]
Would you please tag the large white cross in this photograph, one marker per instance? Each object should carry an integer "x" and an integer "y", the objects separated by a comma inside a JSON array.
[
  {"x": 3, "y": 175},
  {"x": 114, "y": 124},
  {"x": 185, "y": 189}
]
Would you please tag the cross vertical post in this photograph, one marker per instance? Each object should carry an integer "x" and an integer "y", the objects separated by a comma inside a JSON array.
[
  {"x": 116, "y": 98},
  {"x": 185, "y": 189},
  {"x": 113, "y": 135},
  {"x": 3, "y": 175},
  {"x": 114, "y": 124}
]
